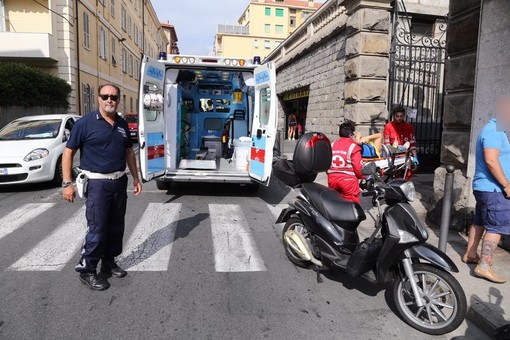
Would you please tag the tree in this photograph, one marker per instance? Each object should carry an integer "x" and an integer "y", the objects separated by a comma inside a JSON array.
[{"x": 22, "y": 85}]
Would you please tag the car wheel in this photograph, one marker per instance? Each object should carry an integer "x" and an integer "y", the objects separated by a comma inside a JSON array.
[{"x": 58, "y": 176}]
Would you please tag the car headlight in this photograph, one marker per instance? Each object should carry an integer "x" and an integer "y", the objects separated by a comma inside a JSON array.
[
  {"x": 36, "y": 154},
  {"x": 408, "y": 190}
]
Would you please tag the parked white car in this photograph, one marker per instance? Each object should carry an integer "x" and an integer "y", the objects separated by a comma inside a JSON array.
[{"x": 31, "y": 148}]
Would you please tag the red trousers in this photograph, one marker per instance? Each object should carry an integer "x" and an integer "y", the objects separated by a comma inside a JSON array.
[{"x": 346, "y": 185}]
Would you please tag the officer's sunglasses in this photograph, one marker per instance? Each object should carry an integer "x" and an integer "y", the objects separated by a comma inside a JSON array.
[{"x": 113, "y": 97}]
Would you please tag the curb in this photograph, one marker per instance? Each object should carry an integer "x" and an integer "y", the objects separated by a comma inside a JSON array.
[{"x": 487, "y": 319}]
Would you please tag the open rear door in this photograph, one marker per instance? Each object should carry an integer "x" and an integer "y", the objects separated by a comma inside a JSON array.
[
  {"x": 151, "y": 122},
  {"x": 264, "y": 126}
]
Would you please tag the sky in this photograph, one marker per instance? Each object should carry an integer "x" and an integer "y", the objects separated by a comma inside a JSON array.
[{"x": 195, "y": 21}]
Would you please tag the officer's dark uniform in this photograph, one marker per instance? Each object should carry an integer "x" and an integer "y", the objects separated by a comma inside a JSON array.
[{"x": 102, "y": 150}]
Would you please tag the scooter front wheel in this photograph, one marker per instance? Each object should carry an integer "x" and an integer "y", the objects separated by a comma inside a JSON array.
[
  {"x": 444, "y": 302},
  {"x": 295, "y": 223}
]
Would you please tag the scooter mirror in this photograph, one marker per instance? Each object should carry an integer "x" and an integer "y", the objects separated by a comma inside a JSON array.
[{"x": 369, "y": 168}]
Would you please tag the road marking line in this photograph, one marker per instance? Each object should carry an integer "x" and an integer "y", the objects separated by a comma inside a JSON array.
[
  {"x": 57, "y": 249},
  {"x": 21, "y": 216},
  {"x": 150, "y": 245},
  {"x": 234, "y": 247}
]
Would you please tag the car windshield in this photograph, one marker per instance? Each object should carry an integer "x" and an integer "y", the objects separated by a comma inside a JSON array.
[{"x": 30, "y": 129}]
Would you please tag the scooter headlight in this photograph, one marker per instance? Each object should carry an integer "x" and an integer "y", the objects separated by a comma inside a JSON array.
[
  {"x": 408, "y": 190},
  {"x": 36, "y": 154},
  {"x": 406, "y": 237}
]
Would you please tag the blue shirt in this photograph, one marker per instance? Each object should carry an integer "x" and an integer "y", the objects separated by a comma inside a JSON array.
[
  {"x": 102, "y": 146},
  {"x": 491, "y": 138}
]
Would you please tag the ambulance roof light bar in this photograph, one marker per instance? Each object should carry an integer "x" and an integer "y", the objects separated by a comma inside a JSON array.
[{"x": 189, "y": 60}]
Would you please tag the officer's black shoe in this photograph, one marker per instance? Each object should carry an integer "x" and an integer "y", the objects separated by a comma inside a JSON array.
[
  {"x": 112, "y": 269},
  {"x": 93, "y": 281}
]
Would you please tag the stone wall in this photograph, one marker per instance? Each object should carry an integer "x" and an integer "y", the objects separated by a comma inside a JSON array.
[
  {"x": 341, "y": 55},
  {"x": 460, "y": 72},
  {"x": 322, "y": 69}
]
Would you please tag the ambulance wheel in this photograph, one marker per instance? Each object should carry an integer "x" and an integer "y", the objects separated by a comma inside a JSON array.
[
  {"x": 162, "y": 185},
  {"x": 58, "y": 176}
]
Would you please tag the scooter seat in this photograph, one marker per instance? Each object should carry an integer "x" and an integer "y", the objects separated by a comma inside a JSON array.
[{"x": 334, "y": 207}]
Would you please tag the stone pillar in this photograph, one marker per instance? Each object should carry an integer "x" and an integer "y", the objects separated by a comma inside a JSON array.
[
  {"x": 367, "y": 47},
  {"x": 460, "y": 72}
]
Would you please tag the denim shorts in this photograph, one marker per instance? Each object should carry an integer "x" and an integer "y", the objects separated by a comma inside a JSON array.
[{"x": 492, "y": 211}]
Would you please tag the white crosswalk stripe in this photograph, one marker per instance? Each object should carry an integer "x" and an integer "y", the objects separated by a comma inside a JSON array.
[
  {"x": 57, "y": 249},
  {"x": 150, "y": 245},
  {"x": 19, "y": 217},
  {"x": 234, "y": 247}
]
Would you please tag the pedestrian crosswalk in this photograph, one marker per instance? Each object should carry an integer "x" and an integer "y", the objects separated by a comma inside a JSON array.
[{"x": 148, "y": 246}]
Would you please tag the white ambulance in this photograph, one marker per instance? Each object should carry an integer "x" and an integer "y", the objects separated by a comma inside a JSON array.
[{"x": 206, "y": 119}]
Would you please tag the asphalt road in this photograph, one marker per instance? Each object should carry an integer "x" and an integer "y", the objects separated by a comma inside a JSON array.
[{"x": 204, "y": 262}]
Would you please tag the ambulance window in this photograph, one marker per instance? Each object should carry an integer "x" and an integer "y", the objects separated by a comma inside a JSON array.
[
  {"x": 222, "y": 105},
  {"x": 206, "y": 105},
  {"x": 150, "y": 115},
  {"x": 265, "y": 105},
  {"x": 213, "y": 124}
]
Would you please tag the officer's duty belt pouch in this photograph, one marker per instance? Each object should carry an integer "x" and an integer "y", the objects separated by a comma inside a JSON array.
[{"x": 81, "y": 185}]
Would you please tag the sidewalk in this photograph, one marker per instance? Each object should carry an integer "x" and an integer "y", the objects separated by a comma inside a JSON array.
[
  {"x": 488, "y": 308},
  {"x": 488, "y": 303}
]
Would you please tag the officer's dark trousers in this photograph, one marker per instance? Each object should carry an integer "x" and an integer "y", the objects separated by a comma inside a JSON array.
[{"x": 106, "y": 208}]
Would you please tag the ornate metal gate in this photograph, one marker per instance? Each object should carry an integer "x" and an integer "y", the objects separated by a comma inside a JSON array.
[{"x": 416, "y": 79}]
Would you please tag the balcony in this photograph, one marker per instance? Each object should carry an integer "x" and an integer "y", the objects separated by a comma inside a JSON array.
[
  {"x": 28, "y": 46},
  {"x": 233, "y": 29}
]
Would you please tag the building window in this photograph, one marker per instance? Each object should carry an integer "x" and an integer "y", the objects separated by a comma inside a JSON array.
[
  {"x": 137, "y": 69},
  {"x": 277, "y": 43},
  {"x": 124, "y": 62},
  {"x": 279, "y": 12},
  {"x": 256, "y": 43},
  {"x": 129, "y": 25},
  {"x": 123, "y": 18},
  {"x": 267, "y": 44},
  {"x": 305, "y": 14},
  {"x": 268, "y": 11},
  {"x": 88, "y": 98},
  {"x": 103, "y": 43},
  {"x": 112, "y": 8},
  {"x": 130, "y": 104},
  {"x": 114, "y": 51},
  {"x": 130, "y": 65},
  {"x": 279, "y": 29},
  {"x": 86, "y": 31},
  {"x": 292, "y": 22},
  {"x": 267, "y": 28},
  {"x": 292, "y": 11}
]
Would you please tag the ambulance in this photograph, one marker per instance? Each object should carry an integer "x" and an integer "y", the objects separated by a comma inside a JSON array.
[{"x": 206, "y": 119}]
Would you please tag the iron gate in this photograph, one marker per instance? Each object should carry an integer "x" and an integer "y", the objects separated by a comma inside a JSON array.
[{"x": 416, "y": 81}]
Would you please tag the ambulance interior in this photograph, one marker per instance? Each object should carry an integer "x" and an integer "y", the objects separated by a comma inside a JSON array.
[{"x": 209, "y": 118}]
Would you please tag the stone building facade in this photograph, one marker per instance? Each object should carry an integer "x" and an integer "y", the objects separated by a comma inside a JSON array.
[
  {"x": 340, "y": 59},
  {"x": 476, "y": 73}
]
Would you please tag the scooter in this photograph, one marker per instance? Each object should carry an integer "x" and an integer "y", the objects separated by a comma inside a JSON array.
[{"x": 321, "y": 232}]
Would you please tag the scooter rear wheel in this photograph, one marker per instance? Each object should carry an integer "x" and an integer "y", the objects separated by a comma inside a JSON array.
[
  {"x": 295, "y": 223},
  {"x": 444, "y": 300}
]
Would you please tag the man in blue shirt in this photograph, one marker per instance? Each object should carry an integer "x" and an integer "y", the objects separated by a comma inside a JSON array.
[
  {"x": 491, "y": 188},
  {"x": 105, "y": 147}
]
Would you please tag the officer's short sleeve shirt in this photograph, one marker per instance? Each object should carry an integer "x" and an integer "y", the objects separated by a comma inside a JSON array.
[{"x": 102, "y": 145}]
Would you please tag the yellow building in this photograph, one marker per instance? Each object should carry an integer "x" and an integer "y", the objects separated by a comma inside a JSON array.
[
  {"x": 262, "y": 27},
  {"x": 85, "y": 42}
]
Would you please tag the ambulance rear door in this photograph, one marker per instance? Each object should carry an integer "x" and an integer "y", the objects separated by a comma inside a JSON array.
[
  {"x": 264, "y": 126},
  {"x": 151, "y": 122}
]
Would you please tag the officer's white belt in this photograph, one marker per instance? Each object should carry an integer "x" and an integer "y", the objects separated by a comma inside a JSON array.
[{"x": 96, "y": 175}]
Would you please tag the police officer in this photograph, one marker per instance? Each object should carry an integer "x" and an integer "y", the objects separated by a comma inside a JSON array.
[
  {"x": 346, "y": 164},
  {"x": 105, "y": 147}
]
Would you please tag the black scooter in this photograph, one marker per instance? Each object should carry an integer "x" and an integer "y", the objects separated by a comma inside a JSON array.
[{"x": 321, "y": 232}]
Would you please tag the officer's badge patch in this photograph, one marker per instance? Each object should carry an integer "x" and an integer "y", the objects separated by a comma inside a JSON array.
[{"x": 122, "y": 132}]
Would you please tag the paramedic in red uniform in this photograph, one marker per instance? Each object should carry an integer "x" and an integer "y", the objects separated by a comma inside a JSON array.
[
  {"x": 399, "y": 132},
  {"x": 346, "y": 164}
]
